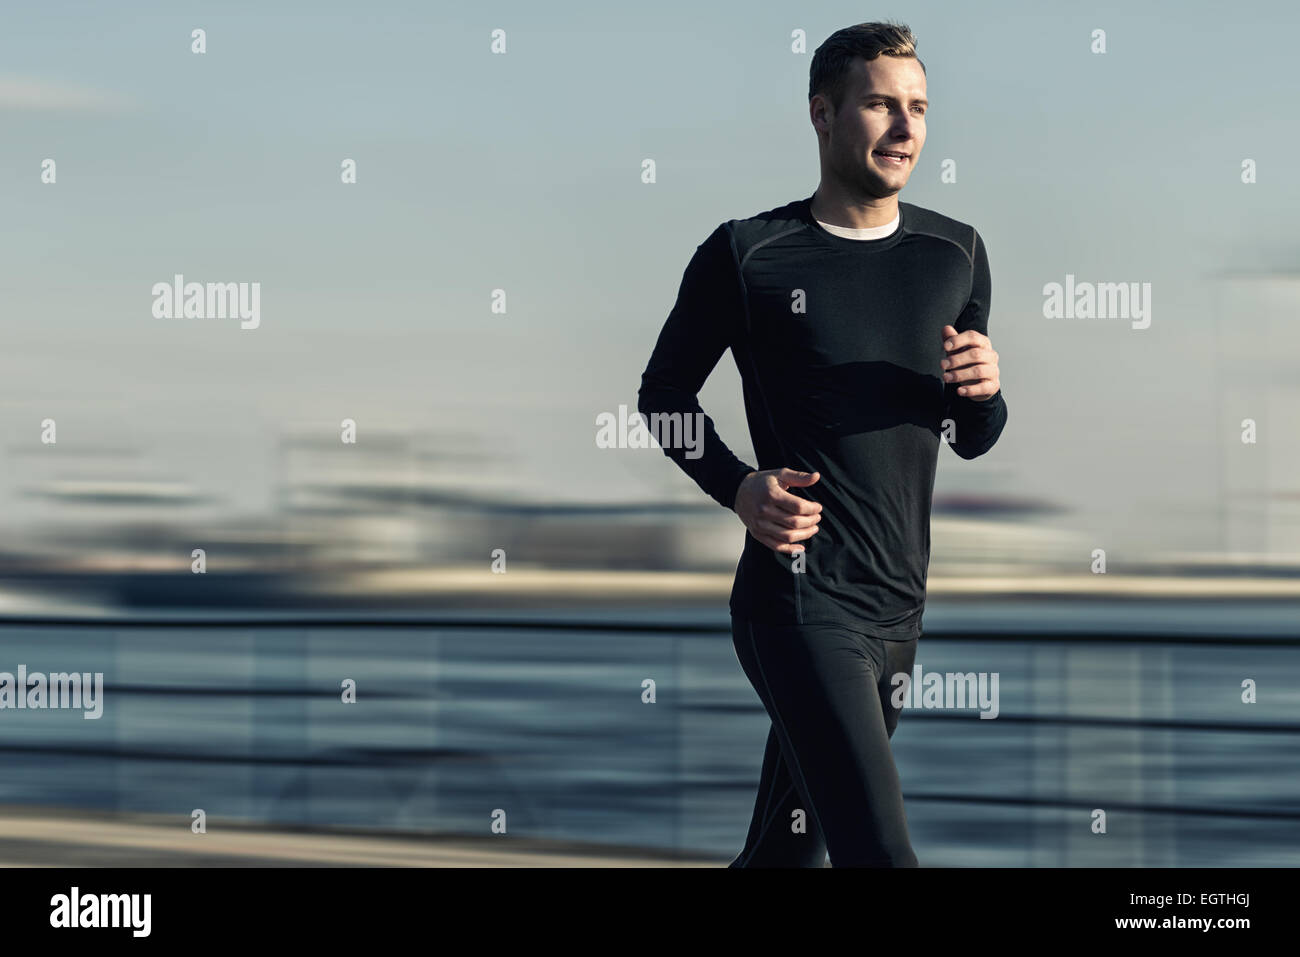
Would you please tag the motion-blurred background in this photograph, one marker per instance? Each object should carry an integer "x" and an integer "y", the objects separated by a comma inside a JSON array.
[{"x": 517, "y": 177}]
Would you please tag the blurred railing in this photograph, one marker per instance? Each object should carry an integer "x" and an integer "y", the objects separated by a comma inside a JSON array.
[{"x": 548, "y": 723}]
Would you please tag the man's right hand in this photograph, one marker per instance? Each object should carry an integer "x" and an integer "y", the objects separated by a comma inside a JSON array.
[{"x": 774, "y": 516}]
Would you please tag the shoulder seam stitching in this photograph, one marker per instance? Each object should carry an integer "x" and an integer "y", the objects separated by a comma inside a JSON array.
[
  {"x": 757, "y": 246},
  {"x": 947, "y": 239}
]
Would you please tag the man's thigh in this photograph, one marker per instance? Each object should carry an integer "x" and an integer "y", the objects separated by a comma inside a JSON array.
[
  {"x": 821, "y": 686},
  {"x": 897, "y": 659}
]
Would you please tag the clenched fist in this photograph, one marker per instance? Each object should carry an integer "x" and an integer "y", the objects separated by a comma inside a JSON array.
[{"x": 774, "y": 516}]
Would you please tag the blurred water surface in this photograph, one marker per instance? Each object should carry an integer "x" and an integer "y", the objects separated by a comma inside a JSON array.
[{"x": 548, "y": 724}]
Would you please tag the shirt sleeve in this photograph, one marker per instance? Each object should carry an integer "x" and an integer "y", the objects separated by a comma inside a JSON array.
[
  {"x": 977, "y": 424},
  {"x": 702, "y": 324}
]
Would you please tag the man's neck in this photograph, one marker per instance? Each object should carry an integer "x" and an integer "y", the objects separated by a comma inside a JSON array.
[{"x": 840, "y": 210}]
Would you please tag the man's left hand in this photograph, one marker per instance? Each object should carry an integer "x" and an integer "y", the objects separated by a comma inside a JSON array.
[{"x": 970, "y": 362}]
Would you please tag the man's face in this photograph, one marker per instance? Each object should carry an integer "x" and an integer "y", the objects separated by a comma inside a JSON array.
[{"x": 883, "y": 112}]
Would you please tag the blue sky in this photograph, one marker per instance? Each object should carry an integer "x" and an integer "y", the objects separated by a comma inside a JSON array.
[{"x": 522, "y": 171}]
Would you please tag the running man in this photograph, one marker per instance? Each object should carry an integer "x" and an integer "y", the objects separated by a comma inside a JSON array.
[{"x": 858, "y": 324}]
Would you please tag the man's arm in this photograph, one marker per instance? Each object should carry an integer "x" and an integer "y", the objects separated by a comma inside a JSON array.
[
  {"x": 977, "y": 423},
  {"x": 702, "y": 324}
]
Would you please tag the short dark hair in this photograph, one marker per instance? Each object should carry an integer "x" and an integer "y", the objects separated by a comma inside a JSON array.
[{"x": 829, "y": 73}]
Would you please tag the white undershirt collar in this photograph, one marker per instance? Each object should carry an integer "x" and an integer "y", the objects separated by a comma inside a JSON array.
[{"x": 869, "y": 232}]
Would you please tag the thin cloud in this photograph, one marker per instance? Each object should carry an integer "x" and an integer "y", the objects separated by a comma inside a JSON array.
[{"x": 26, "y": 93}]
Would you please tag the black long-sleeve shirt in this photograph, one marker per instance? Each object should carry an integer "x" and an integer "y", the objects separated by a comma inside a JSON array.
[{"x": 838, "y": 343}]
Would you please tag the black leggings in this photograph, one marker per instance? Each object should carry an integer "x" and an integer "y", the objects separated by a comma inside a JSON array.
[{"x": 827, "y": 690}]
